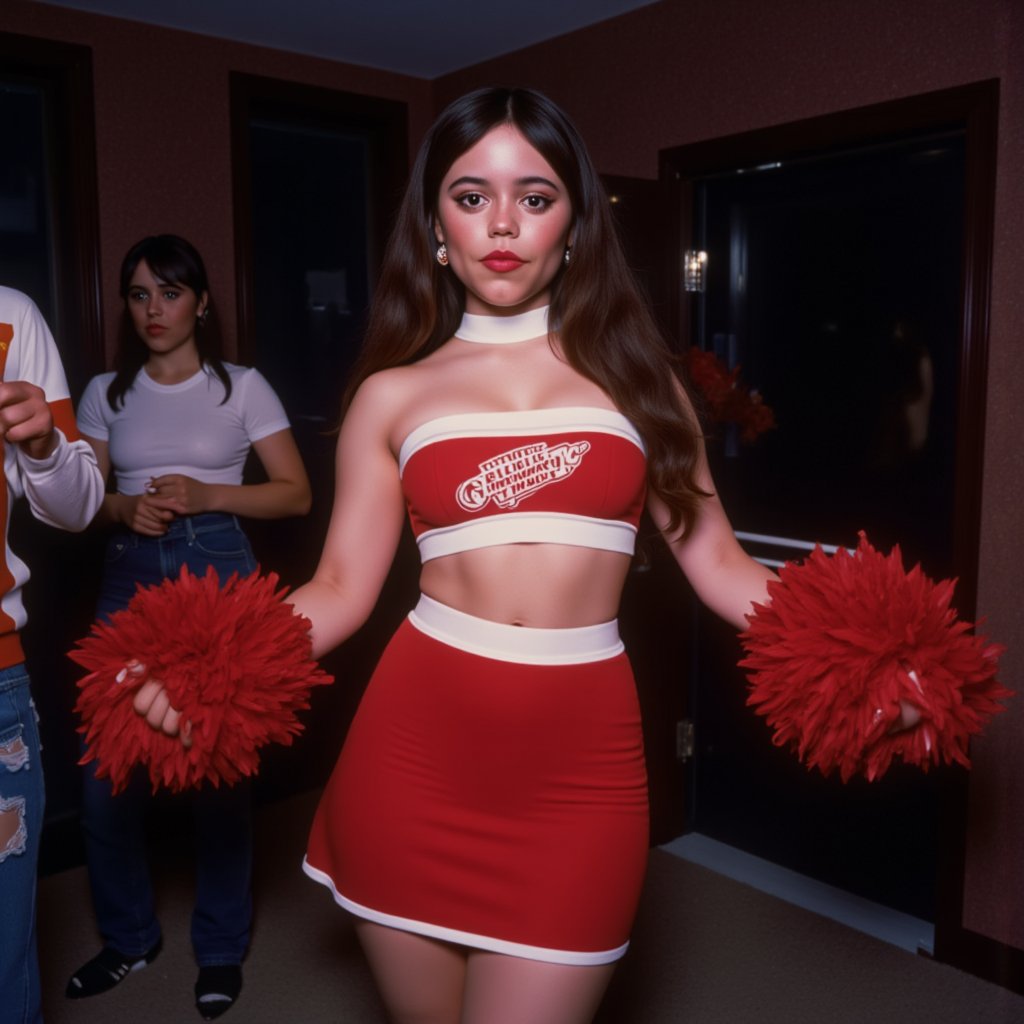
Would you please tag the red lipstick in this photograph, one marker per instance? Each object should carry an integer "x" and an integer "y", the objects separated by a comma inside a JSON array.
[{"x": 501, "y": 261}]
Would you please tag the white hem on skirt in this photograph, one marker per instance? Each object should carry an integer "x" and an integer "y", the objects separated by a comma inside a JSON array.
[{"x": 487, "y": 942}]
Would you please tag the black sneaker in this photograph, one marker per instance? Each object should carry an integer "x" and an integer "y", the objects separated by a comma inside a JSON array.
[
  {"x": 217, "y": 988},
  {"x": 106, "y": 970}
]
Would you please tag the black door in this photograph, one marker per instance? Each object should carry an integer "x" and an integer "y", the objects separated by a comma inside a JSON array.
[{"x": 834, "y": 281}]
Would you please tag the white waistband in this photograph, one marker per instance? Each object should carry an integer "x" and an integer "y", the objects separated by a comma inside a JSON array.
[
  {"x": 524, "y": 644},
  {"x": 528, "y": 528}
]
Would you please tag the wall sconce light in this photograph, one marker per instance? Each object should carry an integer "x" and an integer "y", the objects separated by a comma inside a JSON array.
[{"x": 695, "y": 268}]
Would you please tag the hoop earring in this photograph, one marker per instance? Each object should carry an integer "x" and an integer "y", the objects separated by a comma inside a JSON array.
[
  {"x": 442, "y": 254},
  {"x": 566, "y": 254}
]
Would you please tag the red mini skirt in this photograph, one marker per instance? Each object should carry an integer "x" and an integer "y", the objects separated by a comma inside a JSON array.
[{"x": 492, "y": 790}]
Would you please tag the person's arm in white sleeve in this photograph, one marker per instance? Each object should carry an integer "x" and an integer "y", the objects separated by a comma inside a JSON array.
[
  {"x": 61, "y": 480},
  {"x": 56, "y": 470}
]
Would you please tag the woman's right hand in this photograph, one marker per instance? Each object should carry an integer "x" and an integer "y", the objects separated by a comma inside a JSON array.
[
  {"x": 153, "y": 704},
  {"x": 143, "y": 513}
]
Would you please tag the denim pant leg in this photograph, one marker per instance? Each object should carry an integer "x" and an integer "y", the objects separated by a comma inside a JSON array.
[
  {"x": 115, "y": 826},
  {"x": 22, "y": 798},
  {"x": 223, "y": 815},
  {"x": 117, "y": 857},
  {"x": 223, "y": 909},
  {"x": 222, "y": 915}
]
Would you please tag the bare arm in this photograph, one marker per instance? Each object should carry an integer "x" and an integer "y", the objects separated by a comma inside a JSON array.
[
  {"x": 365, "y": 527},
  {"x": 723, "y": 575},
  {"x": 366, "y": 524}
]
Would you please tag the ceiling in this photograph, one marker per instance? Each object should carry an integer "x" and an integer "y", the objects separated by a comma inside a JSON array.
[{"x": 423, "y": 38}]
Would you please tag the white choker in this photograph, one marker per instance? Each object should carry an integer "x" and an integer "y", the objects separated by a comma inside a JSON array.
[{"x": 504, "y": 330}]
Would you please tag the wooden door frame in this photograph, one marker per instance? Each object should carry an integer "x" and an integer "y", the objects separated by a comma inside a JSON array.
[{"x": 974, "y": 109}]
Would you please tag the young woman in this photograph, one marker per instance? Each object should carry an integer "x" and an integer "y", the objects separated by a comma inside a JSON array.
[
  {"x": 487, "y": 820},
  {"x": 176, "y": 424},
  {"x": 486, "y": 823}
]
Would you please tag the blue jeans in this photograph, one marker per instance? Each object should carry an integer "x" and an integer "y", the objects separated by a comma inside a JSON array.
[
  {"x": 114, "y": 826},
  {"x": 22, "y": 798}
]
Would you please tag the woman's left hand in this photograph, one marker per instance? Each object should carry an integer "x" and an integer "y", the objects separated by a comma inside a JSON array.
[{"x": 185, "y": 495}]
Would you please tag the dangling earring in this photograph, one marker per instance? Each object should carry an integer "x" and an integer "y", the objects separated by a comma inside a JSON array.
[
  {"x": 565, "y": 256},
  {"x": 203, "y": 317},
  {"x": 442, "y": 254}
]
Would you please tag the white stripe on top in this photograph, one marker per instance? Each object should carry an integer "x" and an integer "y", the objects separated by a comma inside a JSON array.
[
  {"x": 528, "y": 528},
  {"x": 517, "y": 423}
]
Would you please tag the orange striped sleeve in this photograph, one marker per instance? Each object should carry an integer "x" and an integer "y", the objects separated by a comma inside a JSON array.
[{"x": 64, "y": 418}]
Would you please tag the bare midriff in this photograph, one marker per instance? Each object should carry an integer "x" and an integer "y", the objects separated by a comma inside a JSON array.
[{"x": 544, "y": 586}]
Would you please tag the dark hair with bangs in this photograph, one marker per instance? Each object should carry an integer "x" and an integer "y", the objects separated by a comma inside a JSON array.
[
  {"x": 604, "y": 325},
  {"x": 173, "y": 261}
]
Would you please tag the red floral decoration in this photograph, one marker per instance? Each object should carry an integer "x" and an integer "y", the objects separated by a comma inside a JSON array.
[
  {"x": 234, "y": 660},
  {"x": 727, "y": 399},
  {"x": 843, "y": 640}
]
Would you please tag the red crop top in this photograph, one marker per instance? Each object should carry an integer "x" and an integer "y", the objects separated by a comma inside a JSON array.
[{"x": 557, "y": 476}]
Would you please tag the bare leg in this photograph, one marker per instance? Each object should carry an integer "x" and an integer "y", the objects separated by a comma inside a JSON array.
[
  {"x": 13, "y": 837},
  {"x": 509, "y": 990},
  {"x": 420, "y": 980}
]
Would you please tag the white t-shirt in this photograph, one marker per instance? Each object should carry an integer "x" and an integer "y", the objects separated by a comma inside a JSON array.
[{"x": 182, "y": 428}]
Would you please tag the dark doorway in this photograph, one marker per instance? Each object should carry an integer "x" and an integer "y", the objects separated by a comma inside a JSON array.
[
  {"x": 318, "y": 175},
  {"x": 49, "y": 238},
  {"x": 836, "y": 270},
  {"x": 310, "y": 261}
]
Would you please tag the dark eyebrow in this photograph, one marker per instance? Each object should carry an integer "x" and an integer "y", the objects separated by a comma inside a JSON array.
[{"x": 533, "y": 180}]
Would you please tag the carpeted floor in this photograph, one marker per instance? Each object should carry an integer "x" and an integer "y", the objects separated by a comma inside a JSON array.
[{"x": 706, "y": 950}]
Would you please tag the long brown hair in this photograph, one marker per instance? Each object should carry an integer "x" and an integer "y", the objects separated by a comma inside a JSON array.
[{"x": 604, "y": 325}]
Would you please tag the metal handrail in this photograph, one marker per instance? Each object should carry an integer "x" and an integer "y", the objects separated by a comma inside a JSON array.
[{"x": 785, "y": 542}]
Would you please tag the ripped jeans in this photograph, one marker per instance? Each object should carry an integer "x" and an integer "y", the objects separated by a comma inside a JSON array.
[{"x": 21, "y": 820}]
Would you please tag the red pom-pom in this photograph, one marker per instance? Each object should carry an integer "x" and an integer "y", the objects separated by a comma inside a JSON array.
[
  {"x": 235, "y": 660},
  {"x": 843, "y": 640}
]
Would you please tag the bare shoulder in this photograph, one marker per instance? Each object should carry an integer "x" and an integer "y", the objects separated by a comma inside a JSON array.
[
  {"x": 389, "y": 390},
  {"x": 385, "y": 400},
  {"x": 374, "y": 405}
]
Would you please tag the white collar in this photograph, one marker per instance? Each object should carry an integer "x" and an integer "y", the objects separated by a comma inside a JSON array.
[{"x": 504, "y": 330}]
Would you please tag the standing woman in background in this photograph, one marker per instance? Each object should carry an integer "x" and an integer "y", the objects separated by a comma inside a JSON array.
[{"x": 175, "y": 424}]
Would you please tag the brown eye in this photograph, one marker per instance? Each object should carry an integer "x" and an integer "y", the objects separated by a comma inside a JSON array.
[{"x": 537, "y": 202}]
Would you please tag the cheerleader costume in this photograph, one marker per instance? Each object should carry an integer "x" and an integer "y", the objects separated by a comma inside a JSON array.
[{"x": 492, "y": 790}]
